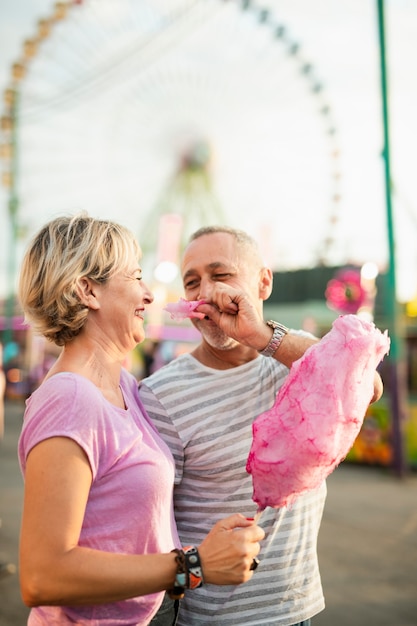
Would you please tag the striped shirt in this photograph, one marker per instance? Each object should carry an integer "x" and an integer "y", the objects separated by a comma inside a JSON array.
[{"x": 205, "y": 415}]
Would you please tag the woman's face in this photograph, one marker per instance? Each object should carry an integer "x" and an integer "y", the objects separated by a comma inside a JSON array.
[{"x": 122, "y": 302}]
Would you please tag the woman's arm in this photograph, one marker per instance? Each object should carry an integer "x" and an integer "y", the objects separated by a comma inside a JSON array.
[{"x": 55, "y": 570}]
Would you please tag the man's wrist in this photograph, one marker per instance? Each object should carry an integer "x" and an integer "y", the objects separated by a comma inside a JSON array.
[{"x": 279, "y": 332}]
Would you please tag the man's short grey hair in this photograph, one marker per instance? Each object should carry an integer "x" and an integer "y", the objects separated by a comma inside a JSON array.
[{"x": 240, "y": 235}]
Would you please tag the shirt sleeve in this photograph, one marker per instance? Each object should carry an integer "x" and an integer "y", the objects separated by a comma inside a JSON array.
[{"x": 50, "y": 414}]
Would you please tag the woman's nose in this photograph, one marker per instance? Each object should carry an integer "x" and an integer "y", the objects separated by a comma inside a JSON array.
[{"x": 147, "y": 294}]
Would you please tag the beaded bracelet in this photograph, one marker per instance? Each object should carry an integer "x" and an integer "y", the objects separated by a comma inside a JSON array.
[
  {"x": 189, "y": 573},
  {"x": 178, "y": 590}
]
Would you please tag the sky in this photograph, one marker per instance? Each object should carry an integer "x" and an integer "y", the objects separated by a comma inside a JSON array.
[{"x": 288, "y": 107}]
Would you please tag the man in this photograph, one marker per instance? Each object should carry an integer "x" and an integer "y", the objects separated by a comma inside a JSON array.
[{"x": 204, "y": 404}]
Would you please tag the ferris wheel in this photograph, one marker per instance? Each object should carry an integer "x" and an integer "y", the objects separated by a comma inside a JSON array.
[{"x": 205, "y": 109}]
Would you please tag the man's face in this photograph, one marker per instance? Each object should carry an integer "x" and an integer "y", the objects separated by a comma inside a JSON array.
[{"x": 218, "y": 258}]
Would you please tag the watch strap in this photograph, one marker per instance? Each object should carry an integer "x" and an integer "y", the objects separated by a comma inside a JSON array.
[{"x": 279, "y": 332}]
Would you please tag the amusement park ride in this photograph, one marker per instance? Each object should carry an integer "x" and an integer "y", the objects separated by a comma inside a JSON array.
[
  {"x": 206, "y": 110},
  {"x": 167, "y": 115}
]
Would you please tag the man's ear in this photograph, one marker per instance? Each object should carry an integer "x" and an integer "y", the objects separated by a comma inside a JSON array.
[
  {"x": 265, "y": 283},
  {"x": 86, "y": 290}
]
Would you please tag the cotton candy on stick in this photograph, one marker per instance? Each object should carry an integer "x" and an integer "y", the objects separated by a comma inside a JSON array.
[
  {"x": 184, "y": 309},
  {"x": 317, "y": 414}
]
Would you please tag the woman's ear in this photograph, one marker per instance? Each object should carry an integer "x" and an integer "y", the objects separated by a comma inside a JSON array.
[
  {"x": 265, "y": 283},
  {"x": 86, "y": 291}
]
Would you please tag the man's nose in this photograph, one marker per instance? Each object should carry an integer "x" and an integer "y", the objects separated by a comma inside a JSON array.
[{"x": 205, "y": 290}]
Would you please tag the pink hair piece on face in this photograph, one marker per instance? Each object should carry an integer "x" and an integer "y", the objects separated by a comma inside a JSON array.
[
  {"x": 184, "y": 309},
  {"x": 317, "y": 414}
]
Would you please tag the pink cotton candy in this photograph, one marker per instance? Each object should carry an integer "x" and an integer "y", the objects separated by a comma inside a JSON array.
[
  {"x": 317, "y": 414},
  {"x": 184, "y": 308}
]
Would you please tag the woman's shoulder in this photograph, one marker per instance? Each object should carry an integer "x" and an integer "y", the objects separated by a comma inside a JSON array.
[
  {"x": 66, "y": 382},
  {"x": 64, "y": 391}
]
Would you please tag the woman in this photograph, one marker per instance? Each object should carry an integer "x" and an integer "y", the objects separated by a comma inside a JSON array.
[{"x": 98, "y": 526}]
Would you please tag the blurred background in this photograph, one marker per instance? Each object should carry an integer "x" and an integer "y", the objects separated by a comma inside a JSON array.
[{"x": 291, "y": 119}]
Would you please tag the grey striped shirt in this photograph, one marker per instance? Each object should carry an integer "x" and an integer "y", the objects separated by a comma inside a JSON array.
[{"x": 205, "y": 416}]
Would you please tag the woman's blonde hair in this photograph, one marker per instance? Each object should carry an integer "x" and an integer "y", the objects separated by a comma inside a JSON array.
[{"x": 65, "y": 250}]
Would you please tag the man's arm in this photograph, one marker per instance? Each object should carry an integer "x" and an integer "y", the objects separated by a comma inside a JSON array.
[
  {"x": 293, "y": 346},
  {"x": 241, "y": 319}
]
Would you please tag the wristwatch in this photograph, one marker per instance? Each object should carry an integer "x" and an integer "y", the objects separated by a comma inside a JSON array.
[{"x": 277, "y": 336}]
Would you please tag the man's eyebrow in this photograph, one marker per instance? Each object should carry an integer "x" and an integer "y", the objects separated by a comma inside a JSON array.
[
  {"x": 230, "y": 268},
  {"x": 189, "y": 273},
  {"x": 218, "y": 264}
]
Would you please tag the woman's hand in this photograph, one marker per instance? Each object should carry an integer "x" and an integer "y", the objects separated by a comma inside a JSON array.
[{"x": 228, "y": 550}]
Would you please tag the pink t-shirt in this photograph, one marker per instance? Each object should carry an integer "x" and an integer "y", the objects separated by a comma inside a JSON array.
[{"x": 129, "y": 509}]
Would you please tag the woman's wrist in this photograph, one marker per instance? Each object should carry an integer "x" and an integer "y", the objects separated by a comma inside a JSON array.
[{"x": 189, "y": 574}]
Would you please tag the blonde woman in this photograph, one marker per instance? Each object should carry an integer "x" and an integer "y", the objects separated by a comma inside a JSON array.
[{"x": 98, "y": 529}]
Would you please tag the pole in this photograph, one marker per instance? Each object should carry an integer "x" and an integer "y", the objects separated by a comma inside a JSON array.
[
  {"x": 13, "y": 206},
  {"x": 396, "y": 361}
]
